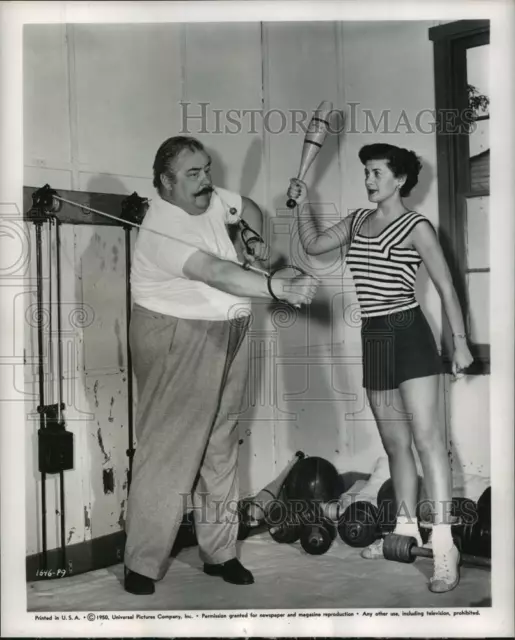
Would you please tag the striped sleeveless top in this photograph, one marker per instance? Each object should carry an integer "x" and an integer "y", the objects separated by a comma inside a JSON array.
[{"x": 384, "y": 274}]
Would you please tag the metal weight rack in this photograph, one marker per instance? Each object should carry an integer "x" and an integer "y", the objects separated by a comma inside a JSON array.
[{"x": 55, "y": 443}]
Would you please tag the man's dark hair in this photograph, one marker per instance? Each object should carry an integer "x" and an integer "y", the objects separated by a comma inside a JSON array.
[{"x": 168, "y": 152}]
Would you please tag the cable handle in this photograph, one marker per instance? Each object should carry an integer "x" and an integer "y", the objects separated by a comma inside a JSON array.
[
  {"x": 249, "y": 237},
  {"x": 270, "y": 281}
]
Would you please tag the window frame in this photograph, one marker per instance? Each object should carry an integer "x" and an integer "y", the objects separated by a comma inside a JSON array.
[{"x": 450, "y": 44}]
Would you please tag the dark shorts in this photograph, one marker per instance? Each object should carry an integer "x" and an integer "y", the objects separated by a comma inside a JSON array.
[{"x": 398, "y": 347}]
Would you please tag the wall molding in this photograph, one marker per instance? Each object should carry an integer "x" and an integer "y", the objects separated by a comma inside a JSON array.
[
  {"x": 81, "y": 557},
  {"x": 97, "y": 553}
]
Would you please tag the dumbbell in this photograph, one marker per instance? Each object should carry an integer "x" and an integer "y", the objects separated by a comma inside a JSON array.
[
  {"x": 362, "y": 523},
  {"x": 474, "y": 532},
  {"x": 283, "y": 524},
  {"x": 404, "y": 549},
  {"x": 315, "y": 530},
  {"x": 387, "y": 507},
  {"x": 484, "y": 506},
  {"x": 317, "y": 537},
  {"x": 467, "y": 528},
  {"x": 308, "y": 520},
  {"x": 358, "y": 527},
  {"x": 462, "y": 509},
  {"x": 475, "y": 540},
  {"x": 286, "y": 525},
  {"x": 288, "y": 522}
]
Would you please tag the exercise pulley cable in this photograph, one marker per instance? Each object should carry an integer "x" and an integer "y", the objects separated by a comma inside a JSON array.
[
  {"x": 159, "y": 233},
  {"x": 246, "y": 228}
]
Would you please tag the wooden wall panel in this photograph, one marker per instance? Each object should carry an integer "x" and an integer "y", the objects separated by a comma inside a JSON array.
[
  {"x": 46, "y": 109},
  {"x": 128, "y": 88},
  {"x": 222, "y": 71}
]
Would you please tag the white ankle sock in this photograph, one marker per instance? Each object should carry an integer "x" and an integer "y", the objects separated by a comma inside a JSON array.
[
  {"x": 442, "y": 538},
  {"x": 406, "y": 527}
]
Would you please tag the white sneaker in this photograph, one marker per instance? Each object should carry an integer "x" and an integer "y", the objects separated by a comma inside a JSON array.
[
  {"x": 446, "y": 575},
  {"x": 374, "y": 550}
]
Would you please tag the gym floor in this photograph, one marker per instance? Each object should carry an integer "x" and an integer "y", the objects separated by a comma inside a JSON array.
[{"x": 285, "y": 578}]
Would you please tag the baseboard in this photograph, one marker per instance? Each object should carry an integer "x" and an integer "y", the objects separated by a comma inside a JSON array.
[
  {"x": 95, "y": 554},
  {"x": 81, "y": 557},
  {"x": 108, "y": 550}
]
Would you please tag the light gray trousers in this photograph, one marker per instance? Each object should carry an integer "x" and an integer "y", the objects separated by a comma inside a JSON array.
[{"x": 191, "y": 377}]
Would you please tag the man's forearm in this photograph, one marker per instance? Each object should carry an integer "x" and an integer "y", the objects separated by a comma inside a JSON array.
[
  {"x": 226, "y": 276},
  {"x": 231, "y": 278}
]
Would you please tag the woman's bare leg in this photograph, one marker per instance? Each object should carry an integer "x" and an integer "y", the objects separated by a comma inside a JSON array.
[
  {"x": 420, "y": 398},
  {"x": 395, "y": 432}
]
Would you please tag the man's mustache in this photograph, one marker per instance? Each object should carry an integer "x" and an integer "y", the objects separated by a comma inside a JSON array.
[{"x": 204, "y": 190}]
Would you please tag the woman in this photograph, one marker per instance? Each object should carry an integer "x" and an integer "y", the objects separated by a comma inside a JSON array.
[{"x": 401, "y": 364}]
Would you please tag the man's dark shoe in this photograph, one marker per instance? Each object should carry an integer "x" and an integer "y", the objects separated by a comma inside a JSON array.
[
  {"x": 231, "y": 571},
  {"x": 137, "y": 584}
]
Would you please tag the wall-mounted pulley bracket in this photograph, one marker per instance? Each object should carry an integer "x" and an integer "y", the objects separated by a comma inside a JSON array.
[
  {"x": 44, "y": 205},
  {"x": 134, "y": 208}
]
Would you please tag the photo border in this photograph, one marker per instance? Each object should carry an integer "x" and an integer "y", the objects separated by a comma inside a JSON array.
[{"x": 494, "y": 621}]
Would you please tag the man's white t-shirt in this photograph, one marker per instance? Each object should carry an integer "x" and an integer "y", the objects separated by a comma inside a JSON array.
[{"x": 157, "y": 278}]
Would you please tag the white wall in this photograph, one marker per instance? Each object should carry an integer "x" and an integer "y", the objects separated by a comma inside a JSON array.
[
  {"x": 98, "y": 102},
  {"x": 115, "y": 96},
  {"x": 384, "y": 70},
  {"x": 390, "y": 67}
]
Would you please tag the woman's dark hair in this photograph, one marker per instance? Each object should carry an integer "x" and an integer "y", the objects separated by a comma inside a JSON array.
[
  {"x": 168, "y": 153},
  {"x": 401, "y": 162}
]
